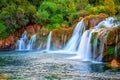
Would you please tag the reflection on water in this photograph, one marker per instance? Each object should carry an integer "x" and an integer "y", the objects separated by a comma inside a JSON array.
[{"x": 49, "y": 66}]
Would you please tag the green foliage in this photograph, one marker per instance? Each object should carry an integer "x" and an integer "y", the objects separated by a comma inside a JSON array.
[
  {"x": 110, "y": 50},
  {"x": 49, "y": 6},
  {"x": 118, "y": 8},
  {"x": 17, "y": 13},
  {"x": 42, "y": 16},
  {"x": 88, "y": 7},
  {"x": 52, "y": 13},
  {"x": 81, "y": 4},
  {"x": 110, "y": 7},
  {"x": 3, "y": 33},
  {"x": 57, "y": 19},
  {"x": 2, "y": 26},
  {"x": 83, "y": 13},
  {"x": 95, "y": 10}
]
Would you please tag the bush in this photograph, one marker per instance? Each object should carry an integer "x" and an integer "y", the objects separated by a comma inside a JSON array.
[
  {"x": 42, "y": 16},
  {"x": 56, "y": 22},
  {"x": 3, "y": 29},
  {"x": 110, "y": 7},
  {"x": 110, "y": 50},
  {"x": 118, "y": 9},
  {"x": 101, "y": 9},
  {"x": 95, "y": 10},
  {"x": 88, "y": 7}
]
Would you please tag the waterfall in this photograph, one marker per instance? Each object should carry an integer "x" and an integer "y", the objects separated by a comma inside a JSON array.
[
  {"x": 83, "y": 44},
  {"x": 108, "y": 22},
  {"x": 85, "y": 48},
  {"x": 21, "y": 43},
  {"x": 88, "y": 54},
  {"x": 49, "y": 41},
  {"x": 116, "y": 45},
  {"x": 24, "y": 44},
  {"x": 74, "y": 40},
  {"x": 95, "y": 48},
  {"x": 31, "y": 41},
  {"x": 64, "y": 40},
  {"x": 101, "y": 49}
]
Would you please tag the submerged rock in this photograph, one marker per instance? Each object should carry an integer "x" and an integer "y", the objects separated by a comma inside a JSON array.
[{"x": 4, "y": 76}]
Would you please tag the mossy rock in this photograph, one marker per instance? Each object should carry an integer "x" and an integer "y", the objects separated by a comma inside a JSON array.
[
  {"x": 92, "y": 20},
  {"x": 108, "y": 35}
]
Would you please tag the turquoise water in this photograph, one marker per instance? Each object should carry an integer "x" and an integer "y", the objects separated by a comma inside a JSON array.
[{"x": 35, "y": 65}]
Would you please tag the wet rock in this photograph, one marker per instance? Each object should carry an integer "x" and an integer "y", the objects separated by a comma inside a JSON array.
[
  {"x": 114, "y": 63},
  {"x": 108, "y": 35},
  {"x": 92, "y": 20},
  {"x": 4, "y": 76},
  {"x": 61, "y": 36},
  {"x": 8, "y": 43}
]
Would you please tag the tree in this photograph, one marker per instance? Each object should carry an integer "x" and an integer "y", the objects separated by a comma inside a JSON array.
[
  {"x": 110, "y": 7},
  {"x": 3, "y": 29}
]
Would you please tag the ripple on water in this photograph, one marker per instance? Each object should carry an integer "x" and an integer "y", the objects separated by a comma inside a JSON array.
[{"x": 43, "y": 66}]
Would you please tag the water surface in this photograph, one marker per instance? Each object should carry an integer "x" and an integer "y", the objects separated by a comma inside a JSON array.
[{"x": 36, "y": 65}]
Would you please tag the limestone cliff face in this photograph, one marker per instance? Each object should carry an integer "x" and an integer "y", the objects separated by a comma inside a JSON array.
[
  {"x": 10, "y": 42},
  {"x": 108, "y": 35},
  {"x": 92, "y": 20},
  {"x": 111, "y": 38},
  {"x": 7, "y": 44},
  {"x": 61, "y": 36}
]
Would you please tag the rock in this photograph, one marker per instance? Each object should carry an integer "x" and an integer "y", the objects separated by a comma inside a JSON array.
[
  {"x": 61, "y": 36},
  {"x": 4, "y": 76},
  {"x": 108, "y": 35},
  {"x": 92, "y": 20},
  {"x": 114, "y": 63},
  {"x": 8, "y": 43}
]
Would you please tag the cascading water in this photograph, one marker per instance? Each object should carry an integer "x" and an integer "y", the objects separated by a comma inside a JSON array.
[
  {"x": 116, "y": 45},
  {"x": 88, "y": 53},
  {"x": 83, "y": 44},
  {"x": 95, "y": 48},
  {"x": 64, "y": 40},
  {"x": 21, "y": 43},
  {"x": 24, "y": 43},
  {"x": 101, "y": 49},
  {"x": 74, "y": 41},
  {"x": 31, "y": 41},
  {"x": 108, "y": 22},
  {"x": 49, "y": 41},
  {"x": 85, "y": 52},
  {"x": 79, "y": 42}
]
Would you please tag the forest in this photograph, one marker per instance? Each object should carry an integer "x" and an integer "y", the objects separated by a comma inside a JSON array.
[{"x": 15, "y": 14}]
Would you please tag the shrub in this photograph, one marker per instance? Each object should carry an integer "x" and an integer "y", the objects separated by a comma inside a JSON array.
[
  {"x": 110, "y": 7},
  {"x": 110, "y": 50},
  {"x": 3, "y": 29}
]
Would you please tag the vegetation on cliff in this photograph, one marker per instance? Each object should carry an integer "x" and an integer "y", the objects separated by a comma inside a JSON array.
[{"x": 15, "y": 14}]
